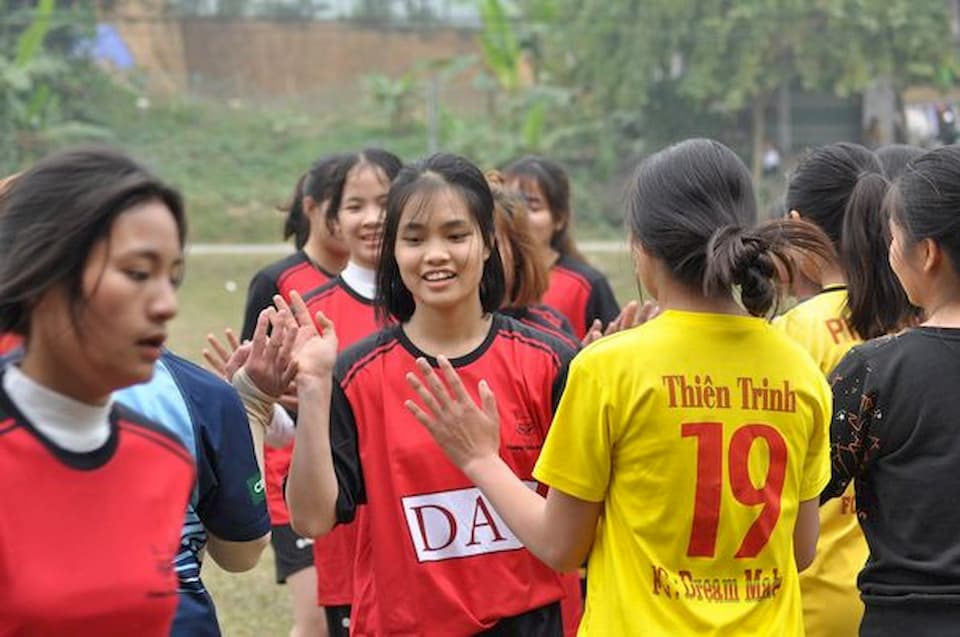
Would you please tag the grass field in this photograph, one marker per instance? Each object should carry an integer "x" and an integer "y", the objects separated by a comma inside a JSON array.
[{"x": 212, "y": 297}]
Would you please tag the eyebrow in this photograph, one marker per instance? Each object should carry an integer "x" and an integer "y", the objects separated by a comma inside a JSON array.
[
  {"x": 447, "y": 225},
  {"x": 151, "y": 255}
]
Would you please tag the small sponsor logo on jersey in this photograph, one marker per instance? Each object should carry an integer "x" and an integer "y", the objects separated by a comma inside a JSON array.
[
  {"x": 458, "y": 523},
  {"x": 524, "y": 425},
  {"x": 256, "y": 488}
]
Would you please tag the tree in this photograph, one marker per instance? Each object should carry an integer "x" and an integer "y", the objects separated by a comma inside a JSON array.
[{"x": 718, "y": 56}]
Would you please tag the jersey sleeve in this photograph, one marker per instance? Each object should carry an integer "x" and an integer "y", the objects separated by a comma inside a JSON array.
[
  {"x": 602, "y": 304},
  {"x": 816, "y": 466},
  {"x": 576, "y": 457},
  {"x": 232, "y": 505},
  {"x": 344, "y": 446},
  {"x": 853, "y": 441},
  {"x": 259, "y": 296}
]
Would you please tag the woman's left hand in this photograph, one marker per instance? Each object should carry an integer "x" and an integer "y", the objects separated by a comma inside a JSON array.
[{"x": 464, "y": 430}]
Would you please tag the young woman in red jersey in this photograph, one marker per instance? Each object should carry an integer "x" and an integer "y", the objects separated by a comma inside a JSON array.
[
  {"x": 894, "y": 429},
  {"x": 359, "y": 189},
  {"x": 431, "y": 557},
  {"x": 576, "y": 289},
  {"x": 320, "y": 255},
  {"x": 94, "y": 495},
  {"x": 687, "y": 471}
]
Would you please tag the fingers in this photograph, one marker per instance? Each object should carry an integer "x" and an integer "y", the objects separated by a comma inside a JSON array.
[
  {"x": 216, "y": 364},
  {"x": 425, "y": 395},
  {"x": 647, "y": 312},
  {"x": 298, "y": 308},
  {"x": 217, "y": 347},
  {"x": 489, "y": 401},
  {"x": 232, "y": 339},
  {"x": 259, "y": 340},
  {"x": 629, "y": 315},
  {"x": 324, "y": 324},
  {"x": 419, "y": 414},
  {"x": 453, "y": 380}
]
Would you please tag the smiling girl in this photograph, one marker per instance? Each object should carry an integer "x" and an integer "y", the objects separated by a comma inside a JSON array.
[
  {"x": 457, "y": 569},
  {"x": 358, "y": 198},
  {"x": 94, "y": 495}
]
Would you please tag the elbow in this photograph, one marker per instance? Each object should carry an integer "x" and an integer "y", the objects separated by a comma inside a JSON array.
[
  {"x": 804, "y": 556},
  {"x": 562, "y": 559},
  {"x": 311, "y": 526},
  {"x": 240, "y": 557}
]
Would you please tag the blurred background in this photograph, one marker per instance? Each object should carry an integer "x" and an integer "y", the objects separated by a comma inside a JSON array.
[{"x": 231, "y": 100}]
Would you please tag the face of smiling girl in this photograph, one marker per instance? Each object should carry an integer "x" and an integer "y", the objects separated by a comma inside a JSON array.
[
  {"x": 440, "y": 251},
  {"x": 360, "y": 218}
]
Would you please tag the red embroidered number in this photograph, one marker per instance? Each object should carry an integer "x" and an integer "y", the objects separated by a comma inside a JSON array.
[{"x": 706, "y": 508}]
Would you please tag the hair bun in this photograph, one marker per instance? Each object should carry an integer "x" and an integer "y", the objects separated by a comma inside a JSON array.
[{"x": 737, "y": 257}]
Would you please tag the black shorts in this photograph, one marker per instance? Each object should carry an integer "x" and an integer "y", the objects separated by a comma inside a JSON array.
[
  {"x": 292, "y": 552},
  {"x": 545, "y": 621}
]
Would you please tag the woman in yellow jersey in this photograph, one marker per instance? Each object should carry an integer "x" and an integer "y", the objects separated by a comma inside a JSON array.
[
  {"x": 840, "y": 189},
  {"x": 687, "y": 455},
  {"x": 894, "y": 426}
]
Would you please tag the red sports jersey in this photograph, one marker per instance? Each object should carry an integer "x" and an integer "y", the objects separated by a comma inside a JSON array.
[
  {"x": 355, "y": 319},
  {"x": 295, "y": 272},
  {"x": 87, "y": 540},
  {"x": 9, "y": 341},
  {"x": 433, "y": 557},
  {"x": 546, "y": 318},
  {"x": 581, "y": 293}
]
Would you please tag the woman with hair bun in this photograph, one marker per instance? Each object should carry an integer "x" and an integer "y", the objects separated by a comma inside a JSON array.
[{"x": 700, "y": 436}]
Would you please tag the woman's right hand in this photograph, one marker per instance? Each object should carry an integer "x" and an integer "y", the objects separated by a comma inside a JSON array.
[{"x": 315, "y": 345}]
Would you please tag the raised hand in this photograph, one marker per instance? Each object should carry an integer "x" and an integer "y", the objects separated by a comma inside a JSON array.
[
  {"x": 633, "y": 314},
  {"x": 270, "y": 365},
  {"x": 315, "y": 339},
  {"x": 464, "y": 430},
  {"x": 222, "y": 361}
]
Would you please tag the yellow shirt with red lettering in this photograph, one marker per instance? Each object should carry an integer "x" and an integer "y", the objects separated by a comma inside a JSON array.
[
  {"x": 831, "y": 601},
  {"x": 701, "y": 434}
]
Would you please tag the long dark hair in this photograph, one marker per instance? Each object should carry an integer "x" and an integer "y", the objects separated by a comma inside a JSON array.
[
  {"x": 841, "y": 188},
  {"x": 53, "y": 215},
  {"x": 553, "y": 182},
  {"x": 691, "y": 205},
  {"x": 382, "y": 160},
  {"x": 317, "y": 184},
  {"x": 925, "y": 201},
  {"x": 414, "y": 186}
]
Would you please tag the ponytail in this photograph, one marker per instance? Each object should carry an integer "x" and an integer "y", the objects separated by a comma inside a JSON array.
[
  {"x": 877, "y": 302},
  {"x": 296, "y": 224},
  {"x": 739, "y": 258}
]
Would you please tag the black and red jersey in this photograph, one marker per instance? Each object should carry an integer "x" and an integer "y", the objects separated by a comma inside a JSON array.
[
  {"x": 546, "y": 318},
  {"x": 581, "y": 293},
  {"x": 433, "y": 557},
  {"x": 295, "y": 272},
  {"x": 9, "y": 342},
  {"x": 87, "y": 540},
  {"x": 354, "y": 319}
]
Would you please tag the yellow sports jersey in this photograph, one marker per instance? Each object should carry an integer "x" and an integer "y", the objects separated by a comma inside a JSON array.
[
  {"x": 831, "y": 601},
  {"x": 701, "y": 434}
]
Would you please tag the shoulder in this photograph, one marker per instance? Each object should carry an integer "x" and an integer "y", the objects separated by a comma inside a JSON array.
[
  {"x": 579, "y": 269},
  {"x": 537, "y": 342},
  {"x": 323, "y": 293},
  {"x": 365, "y": 352},
  {"x": 274, "y": 271},
  {"x": 154, "y": 436}
]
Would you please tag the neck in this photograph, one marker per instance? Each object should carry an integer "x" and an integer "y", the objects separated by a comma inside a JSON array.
[
  {"x": 831, "y": 274},
  {"x": 452, "y": 332},
  {"x": 675, "y": 296},
  {"x": 330, "y": 262},
  {"x": 548, "y": 256},
  {"x": 58, "y": 376},
  {"x": 944, "y": 309}
]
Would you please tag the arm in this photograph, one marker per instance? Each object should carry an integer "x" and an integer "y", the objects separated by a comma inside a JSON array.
[
  {"x": 806, "y": 532},
  {"x": 236, "y": 557},
  {"x": 852, "y": 442},
  {"x": 559, "y": 530},
  {"x": 312, "y": 489}
]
